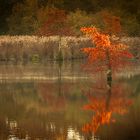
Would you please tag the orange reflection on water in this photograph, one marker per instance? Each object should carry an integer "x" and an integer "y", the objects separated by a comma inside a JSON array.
[{"x": 104, "y": 105}]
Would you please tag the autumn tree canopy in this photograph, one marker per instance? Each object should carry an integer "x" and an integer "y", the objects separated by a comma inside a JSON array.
[{"x": 106, "y": 54}]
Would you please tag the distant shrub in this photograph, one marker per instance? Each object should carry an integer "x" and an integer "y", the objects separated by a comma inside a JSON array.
[
  {"x": 55, "y": 24},
  {"x": 23, "y": 20},
  {"x": 131, "y": 26},
  {"x": 78, "y": 19}
]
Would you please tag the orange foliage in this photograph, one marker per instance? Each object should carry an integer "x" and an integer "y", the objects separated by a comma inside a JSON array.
[{"x": 110, "y": 52}]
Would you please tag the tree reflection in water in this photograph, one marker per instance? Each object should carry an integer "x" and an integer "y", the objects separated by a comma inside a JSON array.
[{"x": 106, "y": 101}]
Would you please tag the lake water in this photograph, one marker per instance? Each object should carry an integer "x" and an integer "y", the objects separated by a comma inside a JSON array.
[{"x": 53, "y": 101}]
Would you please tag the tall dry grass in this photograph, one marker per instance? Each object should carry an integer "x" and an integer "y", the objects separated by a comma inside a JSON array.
[{"x": 34, "y": 48}]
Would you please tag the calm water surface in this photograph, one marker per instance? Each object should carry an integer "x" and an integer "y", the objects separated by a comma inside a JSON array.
[{"x": 63, "y": 102}]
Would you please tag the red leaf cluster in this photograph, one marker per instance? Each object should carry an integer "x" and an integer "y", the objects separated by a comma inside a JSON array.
[
  {"x": 114, "y": 54},
  {"x": 55, "y": 23}
]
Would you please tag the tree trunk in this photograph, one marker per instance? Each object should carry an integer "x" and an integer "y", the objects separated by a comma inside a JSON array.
[{"x": 109, "y": 79}]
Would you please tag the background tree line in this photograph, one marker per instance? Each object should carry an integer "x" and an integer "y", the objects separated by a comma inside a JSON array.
[{"x": 65, "y": 17}]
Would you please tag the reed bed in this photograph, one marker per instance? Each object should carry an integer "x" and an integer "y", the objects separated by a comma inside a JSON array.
[
  {"x": 48, "y": 48},
  {"x": 35, "y": 48}
]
